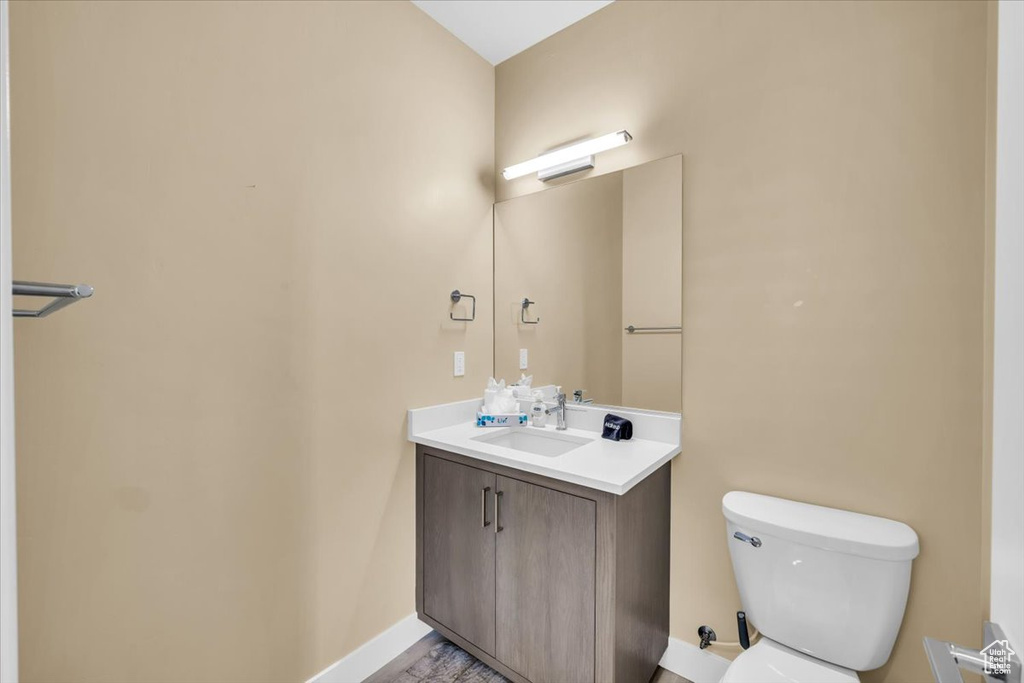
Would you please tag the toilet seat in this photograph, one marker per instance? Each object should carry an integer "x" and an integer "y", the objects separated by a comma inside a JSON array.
[{"x": 771, "y": 662}]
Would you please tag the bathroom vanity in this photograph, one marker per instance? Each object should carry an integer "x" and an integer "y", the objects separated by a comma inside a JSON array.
[{"x": 545, "y": 554}]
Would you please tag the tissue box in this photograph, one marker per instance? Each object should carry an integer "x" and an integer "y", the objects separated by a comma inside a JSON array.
[{"x": 501, "y": 419}]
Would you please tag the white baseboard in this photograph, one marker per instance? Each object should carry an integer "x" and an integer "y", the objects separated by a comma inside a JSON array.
[
  {"x": 375, "y": 653},
  {"x": 692, "y": 663}
]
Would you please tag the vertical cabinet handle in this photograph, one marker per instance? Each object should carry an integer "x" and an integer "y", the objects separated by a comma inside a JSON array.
[
  {"x": 497, "y": 511},
  {"x": 483, "y": 508}
]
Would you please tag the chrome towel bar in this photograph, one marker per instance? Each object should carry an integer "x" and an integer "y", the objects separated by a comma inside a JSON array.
[
  {"x": 62, "y": 295},
  {"x": 996, "y": 662},
  {"x": 631, "y": 329}
]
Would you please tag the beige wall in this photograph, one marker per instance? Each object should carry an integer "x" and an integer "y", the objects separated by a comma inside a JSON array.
[
  {"x": 652, "y": 283},
  {"x": 213, "y": 480},
  {"x": 273, "y": 202},
  {"x": 833, "y": 254},
  {"x": 562, "y": 249}
]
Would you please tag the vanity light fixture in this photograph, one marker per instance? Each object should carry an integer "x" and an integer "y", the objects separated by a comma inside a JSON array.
[{"x": 578, "y": 156}]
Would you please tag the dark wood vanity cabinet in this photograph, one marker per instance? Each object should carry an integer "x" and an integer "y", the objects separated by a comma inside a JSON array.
[{"x": 545, "y": 581}]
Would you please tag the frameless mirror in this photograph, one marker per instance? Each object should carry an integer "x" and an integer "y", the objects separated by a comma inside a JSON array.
[{"x": 588, "y": 280}]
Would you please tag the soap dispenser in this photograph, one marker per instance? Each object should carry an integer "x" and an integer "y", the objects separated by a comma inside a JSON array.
[{"x": 538, "y": 410}]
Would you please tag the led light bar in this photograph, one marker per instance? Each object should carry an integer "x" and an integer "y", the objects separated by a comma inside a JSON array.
[{"x": 564, "y": 157}]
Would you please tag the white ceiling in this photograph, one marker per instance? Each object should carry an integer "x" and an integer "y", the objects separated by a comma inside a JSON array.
[{"x": 499, "y": 29}]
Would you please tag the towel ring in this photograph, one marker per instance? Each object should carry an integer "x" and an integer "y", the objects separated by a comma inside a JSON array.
[
  {"x": 456, "y": 295},
  {"x": 522, "y": 313}
]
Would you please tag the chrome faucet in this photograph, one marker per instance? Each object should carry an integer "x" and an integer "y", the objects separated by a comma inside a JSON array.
[
  {"x": 577, "y": 397},
  {"x": 560, "y": 409}
]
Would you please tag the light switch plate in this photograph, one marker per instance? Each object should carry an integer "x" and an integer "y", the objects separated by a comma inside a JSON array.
[
  {"x": 522, "y": 359},
  {"x": 460, "y": 363}
]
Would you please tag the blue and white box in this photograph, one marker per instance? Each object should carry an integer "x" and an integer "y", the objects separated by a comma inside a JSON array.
[{"x": 501, "y": 420}]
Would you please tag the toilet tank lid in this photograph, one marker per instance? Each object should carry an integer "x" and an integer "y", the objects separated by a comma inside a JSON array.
[{"x": 821, "y": 527}]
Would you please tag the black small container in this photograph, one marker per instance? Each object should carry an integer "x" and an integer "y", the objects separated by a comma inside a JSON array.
[{"x": 617, "y": 428}]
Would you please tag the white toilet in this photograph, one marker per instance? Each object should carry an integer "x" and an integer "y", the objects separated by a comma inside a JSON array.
[{"x": 826, "y": 588}]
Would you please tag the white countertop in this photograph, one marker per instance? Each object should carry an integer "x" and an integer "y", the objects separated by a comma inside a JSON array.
[{"x": 611, "y": 466}]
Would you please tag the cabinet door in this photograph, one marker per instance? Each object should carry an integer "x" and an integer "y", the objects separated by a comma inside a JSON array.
[
  {"x": 458, "y": 549},
  {"x": 545, "y": 575}
]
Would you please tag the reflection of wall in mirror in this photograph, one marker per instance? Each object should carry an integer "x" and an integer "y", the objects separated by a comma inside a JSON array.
[
  {"x": 562, "y": 249},
  {"x": 595, "y": 255},
  {"x": 652, "y": 283}
]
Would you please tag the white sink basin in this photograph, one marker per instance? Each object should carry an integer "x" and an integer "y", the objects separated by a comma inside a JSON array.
[{"x": 535, "y": 441}]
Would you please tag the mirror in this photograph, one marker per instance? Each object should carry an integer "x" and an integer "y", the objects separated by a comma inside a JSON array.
[{"x": 593, "y": 258}]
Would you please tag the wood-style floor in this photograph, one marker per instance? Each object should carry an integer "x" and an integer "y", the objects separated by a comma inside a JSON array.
[{"x": 433, "y": 658}]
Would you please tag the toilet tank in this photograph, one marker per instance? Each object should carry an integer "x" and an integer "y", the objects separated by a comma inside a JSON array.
[{"x": 830, "y": 583}]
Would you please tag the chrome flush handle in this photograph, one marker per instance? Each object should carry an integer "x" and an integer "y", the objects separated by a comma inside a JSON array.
[{"x": 752, "y": 540}]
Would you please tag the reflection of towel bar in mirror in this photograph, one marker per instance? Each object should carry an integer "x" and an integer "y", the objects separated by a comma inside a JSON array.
[
  {"x": 522, "y": 313},
  {"x": 456, "y": 296},
  {"x": 631, "y": 329},
  {"x": 62, "y": 295}
]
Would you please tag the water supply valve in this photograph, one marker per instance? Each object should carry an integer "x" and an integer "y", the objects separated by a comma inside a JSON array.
[{"x": 707, "y": 636}]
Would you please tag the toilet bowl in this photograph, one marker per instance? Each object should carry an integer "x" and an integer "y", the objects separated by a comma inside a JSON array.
[
  {"x": 826, "y": 588},
  {"x": 771, "y": 662}
]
